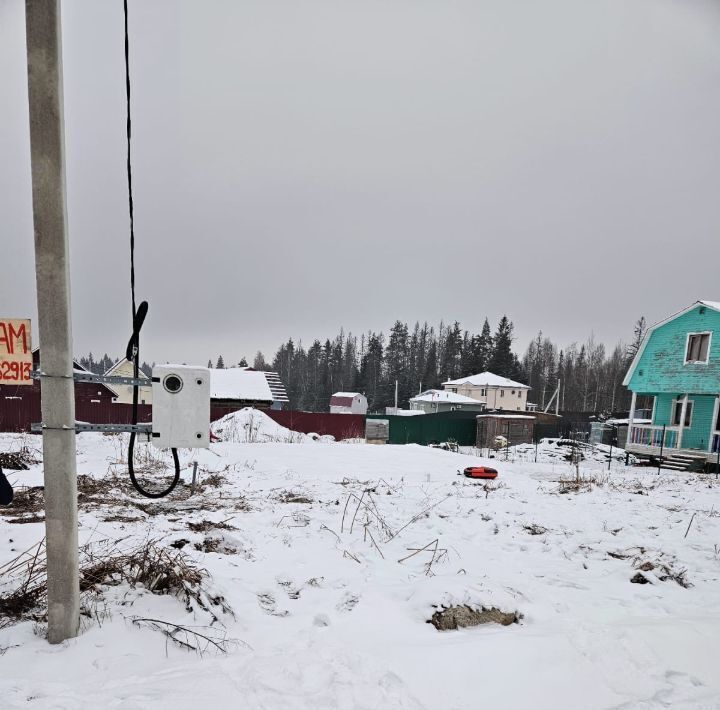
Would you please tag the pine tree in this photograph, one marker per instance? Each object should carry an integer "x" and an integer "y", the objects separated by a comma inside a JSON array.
[
  {"x": 430, "y": 378},
  {"x": 220, "y": 365},
  {"x": 502, "y": 361},
  {"x": 371, "y": 372},
  {"x": 397, "y": 357},
  {"x": 638, "y": 334},
  {"x": 243, "y": 362},
  {"x": 481, "y": 347},
  {"x": 209, "y": 364}
]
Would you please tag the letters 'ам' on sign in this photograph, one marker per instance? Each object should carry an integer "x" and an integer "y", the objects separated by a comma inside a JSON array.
[{"x": 15, "y": 352}]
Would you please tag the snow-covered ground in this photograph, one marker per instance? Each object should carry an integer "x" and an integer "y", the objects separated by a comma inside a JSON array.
[{"x": 307, "y": 542}]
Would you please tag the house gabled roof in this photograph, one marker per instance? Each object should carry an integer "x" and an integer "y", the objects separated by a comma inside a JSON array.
[
  {"x": 714, "y": 305},
  {"x": 239, "y": 383},
  {"x": 112, "y": 370},
  {"x": 445, "y": 396},
  {"x": 487, "y": 379},
  {"x": 343, "y": 399},
  {"x": 277, "y": 388}
]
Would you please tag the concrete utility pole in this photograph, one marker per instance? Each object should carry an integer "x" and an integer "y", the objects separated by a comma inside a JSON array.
[{"x": 52, "y": 270}]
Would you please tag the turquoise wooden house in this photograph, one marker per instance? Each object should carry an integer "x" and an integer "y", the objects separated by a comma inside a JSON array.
[{"x": 678, "y": 365}]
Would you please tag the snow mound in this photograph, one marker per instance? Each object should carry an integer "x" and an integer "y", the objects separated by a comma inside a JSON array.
[{"x": 252, "y": 426}]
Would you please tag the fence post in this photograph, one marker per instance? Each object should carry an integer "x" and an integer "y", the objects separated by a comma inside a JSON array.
[
  {"x": 662, "y": 448},
  {"x": 194, "y": 478}
]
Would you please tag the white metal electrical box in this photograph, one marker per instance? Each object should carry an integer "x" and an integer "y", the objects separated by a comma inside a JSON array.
[{"x": 181, "y": 407}]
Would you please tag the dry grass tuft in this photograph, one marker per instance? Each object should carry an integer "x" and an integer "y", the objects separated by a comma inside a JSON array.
[
  {"x": 26, "y": 500},
  {"x": 159, "y": 569},
  {"x": 206, "y": 525}
]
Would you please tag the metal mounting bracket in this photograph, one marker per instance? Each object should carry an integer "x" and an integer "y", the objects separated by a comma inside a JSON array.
[
  {"x": 102, "y": 379},
  {"x": 105, "y": 428}
]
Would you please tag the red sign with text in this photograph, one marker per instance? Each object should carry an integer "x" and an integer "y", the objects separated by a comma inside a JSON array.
[{"x": 15, "y": 352}]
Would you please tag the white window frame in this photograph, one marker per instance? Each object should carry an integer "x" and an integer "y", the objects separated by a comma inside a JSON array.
[
  {"x": 690, "y": 405},
  {"x": 687, "y": 345}
]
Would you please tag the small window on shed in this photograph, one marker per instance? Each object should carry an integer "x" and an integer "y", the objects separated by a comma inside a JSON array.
[
  {"x": 698, "y": 347},
  {"x": 502, "y": 393}
]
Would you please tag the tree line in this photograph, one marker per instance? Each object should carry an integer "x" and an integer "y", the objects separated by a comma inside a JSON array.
[
  {"x": 422, "y": 357},
  {"x": 101, "y": 365},
  {"x": 586, "y": 376}
]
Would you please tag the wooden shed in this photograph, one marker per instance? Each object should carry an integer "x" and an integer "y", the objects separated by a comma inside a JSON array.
[{"x": 515, "y": 428}]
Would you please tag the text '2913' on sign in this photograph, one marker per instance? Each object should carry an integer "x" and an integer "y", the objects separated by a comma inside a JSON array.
[{"x": 15, "y": 351}]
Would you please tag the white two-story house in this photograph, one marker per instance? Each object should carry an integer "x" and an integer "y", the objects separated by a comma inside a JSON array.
[{"x": 494, "y": 391}]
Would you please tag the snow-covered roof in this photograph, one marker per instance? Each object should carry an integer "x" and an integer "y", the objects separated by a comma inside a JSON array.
[
  {"x": 239, "y": 383},
  {"x": 487, "y": 379},
  {"x": 504, "y": 416},
  {"x": 444, "y": 396},
  {"x": 620, "y": 422},
  {"x": 711, "y": 304},
  {"x": 346, "y": 394}
]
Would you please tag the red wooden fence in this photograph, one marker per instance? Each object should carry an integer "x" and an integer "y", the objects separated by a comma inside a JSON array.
[
  {"x": 341, "y": 426},
  {"x": 18, "y": 413}
]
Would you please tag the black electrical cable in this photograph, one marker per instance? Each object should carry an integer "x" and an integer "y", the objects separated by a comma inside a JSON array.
[{"x": 138, "y": 314}]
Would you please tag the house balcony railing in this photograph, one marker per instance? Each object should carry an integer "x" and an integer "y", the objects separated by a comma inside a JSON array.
[{"x": 653, "y": 436}]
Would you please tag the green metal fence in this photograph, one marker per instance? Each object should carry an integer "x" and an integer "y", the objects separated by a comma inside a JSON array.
[{"x": 427, "y": 429}]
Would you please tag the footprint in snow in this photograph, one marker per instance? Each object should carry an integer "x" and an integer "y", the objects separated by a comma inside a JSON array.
[
  {"x": 348, "y": 603},
  {"x": 293, "y": 593},
  {"x": 269, "y": 605}
]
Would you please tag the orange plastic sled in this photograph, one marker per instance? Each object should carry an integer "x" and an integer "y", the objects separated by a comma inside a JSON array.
[{"x": 480, "y": 472}]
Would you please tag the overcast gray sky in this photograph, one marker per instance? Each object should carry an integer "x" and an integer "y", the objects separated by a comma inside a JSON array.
[{"x": 309, "y": 164}]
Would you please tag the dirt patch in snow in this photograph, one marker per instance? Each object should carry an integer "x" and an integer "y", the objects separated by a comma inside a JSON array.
[
  {"x": 28, "y": 519},
  {"x": 206, "y": 525},
  {"x": 217, "y": 543},
  {"x": 293, "y": 497},
  {"x": 535, "y": 529},
  {"x": 26, "y": 500},
  {"x": 460, "y": 617},
  {"x": 214, "y": 480}
]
